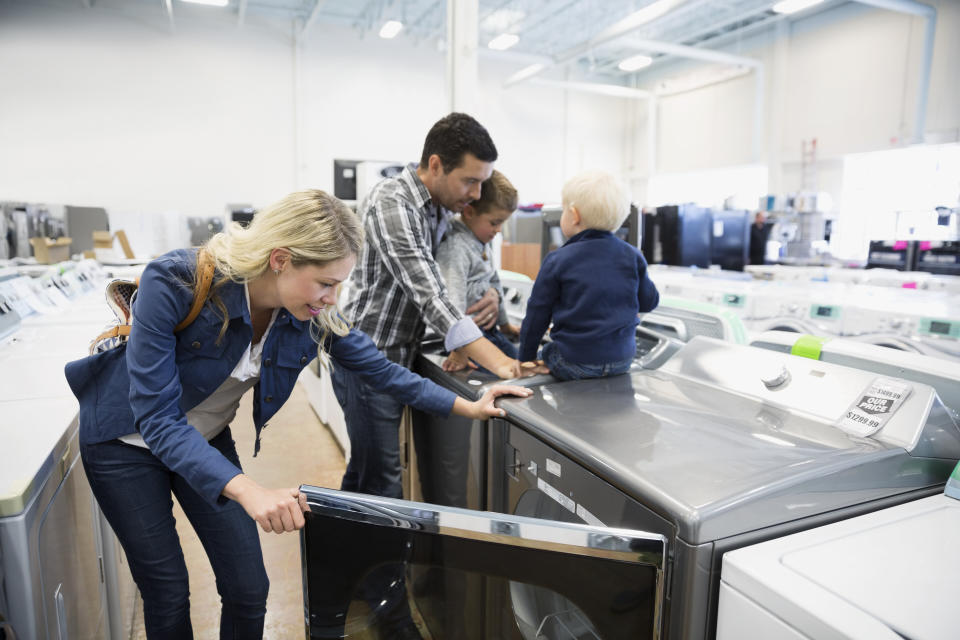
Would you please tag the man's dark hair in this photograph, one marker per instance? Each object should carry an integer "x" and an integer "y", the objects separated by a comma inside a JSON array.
[{"x": 452, "y": 137}]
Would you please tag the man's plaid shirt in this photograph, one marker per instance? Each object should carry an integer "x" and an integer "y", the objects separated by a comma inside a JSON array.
[{"x": 396, "y": 290}]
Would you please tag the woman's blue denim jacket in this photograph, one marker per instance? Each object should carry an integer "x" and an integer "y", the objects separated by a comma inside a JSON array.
[{"x": 148, "y": 385}]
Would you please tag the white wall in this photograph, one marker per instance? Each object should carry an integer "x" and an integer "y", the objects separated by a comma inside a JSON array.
[
  {"x": 106, "y": 106},
  {"x": 376, "y": 99},
  {"x": 846, "y": 76}
]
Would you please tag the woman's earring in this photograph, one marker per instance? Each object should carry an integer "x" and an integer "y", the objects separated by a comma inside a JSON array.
[{"x": 276, "y": 272}]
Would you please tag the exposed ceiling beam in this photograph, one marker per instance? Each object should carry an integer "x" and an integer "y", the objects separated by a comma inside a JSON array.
[
  {"x": 313, "y": 17},
  {"x": 728, "y": 21},
  {"x": 614, "y": 90},
  {"x": 241, "y": 12},
  {"x": 87, "y": 4},
  {"x": 615, "y": 31},
  {"x": 696, "y": 53},
  {"x": 168, "y": 9},
  {"x": 516, "y": 56}
]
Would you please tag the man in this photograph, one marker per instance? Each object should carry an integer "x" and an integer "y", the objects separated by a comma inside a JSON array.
[
  {"x": 397, "y": 290},
  {"x": 759, "y": 232}
]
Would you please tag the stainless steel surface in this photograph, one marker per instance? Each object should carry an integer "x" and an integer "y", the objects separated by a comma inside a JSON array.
[
  {"x": 718, "y": 447},
  {"x": 50, "y": 554},
  {"x": 622, "y": 545},
  {"x": 942, "y": 375},
  {"x": 703, "y": 440}
]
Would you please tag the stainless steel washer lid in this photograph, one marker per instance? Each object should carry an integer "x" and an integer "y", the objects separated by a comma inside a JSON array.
[{"x": 704, "y": 442}]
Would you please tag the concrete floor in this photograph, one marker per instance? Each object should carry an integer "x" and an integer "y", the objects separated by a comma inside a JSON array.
[{"x": 296, "y": 449}]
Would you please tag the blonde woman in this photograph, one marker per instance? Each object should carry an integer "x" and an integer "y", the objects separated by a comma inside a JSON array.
[{"x": 155, "y": 414}]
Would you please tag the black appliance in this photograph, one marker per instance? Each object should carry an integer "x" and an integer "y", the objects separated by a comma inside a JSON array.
[
  {"x": 942, "y": 258},
  {"x": 682, "y": 236},
  {"x": 242, "y": 214},
  {"x": 731, "y": 239},
  {"x": 892, "y": 254},
  {"x": 345, "y": 179},
  {"x": 552, "y": 238}
]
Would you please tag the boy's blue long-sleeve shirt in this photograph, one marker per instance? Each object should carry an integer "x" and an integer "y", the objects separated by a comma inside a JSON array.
[{"x": 592, "y": 288}]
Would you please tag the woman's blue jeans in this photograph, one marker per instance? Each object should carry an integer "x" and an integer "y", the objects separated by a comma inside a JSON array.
[{"x": 133, "y": 489}]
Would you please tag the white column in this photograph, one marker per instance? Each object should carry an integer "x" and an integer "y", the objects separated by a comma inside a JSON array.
[{"x": 462, "y": 35}]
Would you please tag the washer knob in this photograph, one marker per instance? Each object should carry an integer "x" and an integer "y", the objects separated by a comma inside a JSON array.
[{"x": 775, "y": 377}]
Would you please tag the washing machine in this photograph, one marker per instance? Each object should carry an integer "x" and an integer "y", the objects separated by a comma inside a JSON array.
[
  {"x": 516, "y": 292},
  {"x": 445, "y": 462},
  {"x": 716, "y": 449},
  {"x": 941, "y": 374},
  {"x": 913, "y": 321},
  {"x": 9, "y": 319},
  {"x": 94, "y": 594},
  {"x": 50, "y": 540},
  {"x": 799, "y": 307},
  {"x": 887, "y": 575},
  {"x": 685, "y": 319}
]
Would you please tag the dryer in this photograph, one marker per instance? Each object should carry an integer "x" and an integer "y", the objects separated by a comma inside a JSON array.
[{"x": 718, "y": 448}]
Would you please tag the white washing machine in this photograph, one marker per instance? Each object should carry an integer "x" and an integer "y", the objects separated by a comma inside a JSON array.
[
  {"x": 914, "y": 321},
  {"x": 887, "y": 575},
  {"x": 516, "y": 292},
  {"x": 685, "y": 319},
  {"x": 799, "y": 307},
  {"x": 709, "y": 286}
]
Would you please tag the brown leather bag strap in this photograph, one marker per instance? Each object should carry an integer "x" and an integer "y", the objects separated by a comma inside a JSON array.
[
  {"x": 206, "y": 267},
  {"x": 113, "y": 332}
]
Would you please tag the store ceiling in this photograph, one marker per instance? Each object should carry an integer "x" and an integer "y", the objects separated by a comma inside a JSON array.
[
  {"x": 568, "y": 32},
  {"x": 549, "y": 28}
]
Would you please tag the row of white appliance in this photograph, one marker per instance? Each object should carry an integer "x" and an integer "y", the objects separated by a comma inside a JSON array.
[
  {"x": 62, "y": 572},
  {"x": 876, "y": 277},
  {"x": 911, "y": 320}
]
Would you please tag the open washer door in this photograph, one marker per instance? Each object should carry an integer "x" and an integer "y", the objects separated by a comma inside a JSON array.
[{"x": 355, "y": 549}]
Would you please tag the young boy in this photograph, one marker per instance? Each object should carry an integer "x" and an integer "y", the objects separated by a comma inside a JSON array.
[
  {"x": 465, "y": 264},
  {"x": 592, "y": 287}
]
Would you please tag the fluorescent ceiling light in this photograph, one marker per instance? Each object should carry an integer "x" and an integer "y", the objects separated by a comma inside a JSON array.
[
  {"x": 390, "y": 29},
  {"x": 212, "y": 3},
  {"x": 635, "y": 62},
  {"x": 504, "y": 41},
  {"x": 650, "y": 13},
  {"x": 792, "y": 6}
]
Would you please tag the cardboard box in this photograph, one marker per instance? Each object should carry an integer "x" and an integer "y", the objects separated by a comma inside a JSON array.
[
  {"x": 522, "y": 257},
  {"x": 103, "y": 244},
  {"x": 48, "y": 251}
]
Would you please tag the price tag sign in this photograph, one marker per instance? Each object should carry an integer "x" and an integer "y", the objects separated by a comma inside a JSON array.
[{"x": 874, "y": 406}]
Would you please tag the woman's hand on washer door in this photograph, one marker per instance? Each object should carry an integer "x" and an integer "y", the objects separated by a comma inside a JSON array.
[{"x": 276, "y": 510}]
